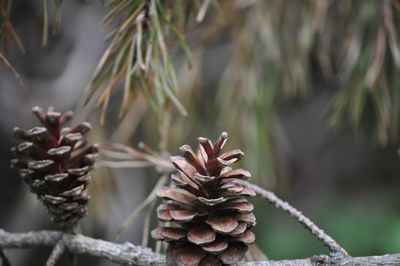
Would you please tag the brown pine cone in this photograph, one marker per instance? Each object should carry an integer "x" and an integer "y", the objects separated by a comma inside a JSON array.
[
  {"x": 208, "y": 216},
  {"x": 55, "y": 163}
]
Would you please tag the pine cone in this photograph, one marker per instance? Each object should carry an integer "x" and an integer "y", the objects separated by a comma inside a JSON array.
[
  {"x": 55, "y": 164},
  {"x": 209, "y": 216}
]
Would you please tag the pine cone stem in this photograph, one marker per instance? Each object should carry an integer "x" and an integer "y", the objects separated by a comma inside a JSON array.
[{"x": 75, "y": 229}]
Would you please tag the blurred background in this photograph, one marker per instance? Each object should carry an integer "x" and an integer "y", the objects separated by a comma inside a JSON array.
[{"x": 308, "y": 90}]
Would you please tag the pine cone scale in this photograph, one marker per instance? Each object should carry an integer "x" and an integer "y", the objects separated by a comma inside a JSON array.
[
  {"x": 178, "y": 195},
  {"x": 182, "y": 215},
  {"x": 233, "y": 254},
  {"x": 239, "y": 229},
  {"x": 58, "y": 177},
  {"x": 223, "y": 224},
  {"x": 201, "y": 235},
  {"x": 216, "y": 247},
  {"x": 247, "y": 237},
  {"x": 188, "y": 255}
]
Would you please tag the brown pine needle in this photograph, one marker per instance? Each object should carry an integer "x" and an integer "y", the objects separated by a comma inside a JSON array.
[
  {"x": 8, "y": 65},
  {"x": 45, "y": 30},
  {"x": 146, "y": 224},
  {"x": 147, "y": 202}
]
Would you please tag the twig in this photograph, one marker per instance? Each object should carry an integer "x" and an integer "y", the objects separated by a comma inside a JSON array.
[
  {"x": 203, "y": 10},
  {"x": 390, "y": 30},
  {"x": 7, "y": 28},
  {"x": 58, "y": 250},
  {"x": 45, "y": 33},
  {"x": 123, "y": 164},
  {"x": 129, "y": 254},
  {"x": 116, "y": 154},
  {"x": 9, "y": 66},
  {"x": 134, "y": 115},
  {"x": 146, "y": 224},
  {"x": 122, "y": 254},
  {"x": 336, "y": 250},
  {"x": 4, "y": 258},
  {"x": 155, "y": 159},
  {"x": 150, "y": 198},
  {"x": 158, "y": 246},
  {"x": 147, "y": 150},
  {"x": 164, "y": 128}
]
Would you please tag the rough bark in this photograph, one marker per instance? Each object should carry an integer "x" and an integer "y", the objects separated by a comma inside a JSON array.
[{"x": 129, "y": 254}]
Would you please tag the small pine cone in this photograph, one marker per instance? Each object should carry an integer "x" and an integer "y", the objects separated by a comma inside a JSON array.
[
  {"x": 209, "y": 217},
  {"x": 55, "y": 163}
]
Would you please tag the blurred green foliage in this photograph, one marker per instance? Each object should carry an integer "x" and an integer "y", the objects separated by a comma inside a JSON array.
[{"x": 360, "y": 228}]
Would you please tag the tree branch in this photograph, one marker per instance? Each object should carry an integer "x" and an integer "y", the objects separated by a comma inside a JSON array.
[
  {"x": 337, "y": 252},
  {"x": 129, "y": 254},
  {"x": 56, "y": 253},
  {"x": 123, "y": 254}
]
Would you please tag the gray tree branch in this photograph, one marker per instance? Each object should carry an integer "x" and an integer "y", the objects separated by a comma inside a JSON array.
[
  {"x": 58, "y": 250},
  {"x": 338, "y": 253},
  {"x": 129, "y": 254}
]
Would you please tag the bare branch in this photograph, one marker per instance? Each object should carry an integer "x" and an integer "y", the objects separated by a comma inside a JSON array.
[
  {"x": 129, "y": 254},
  {"x": 147, "y": 202},
  {"x": 123, "y": 254},
  {"x": 336, "y": 250},
  {"x": 56, "y": 253}
]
